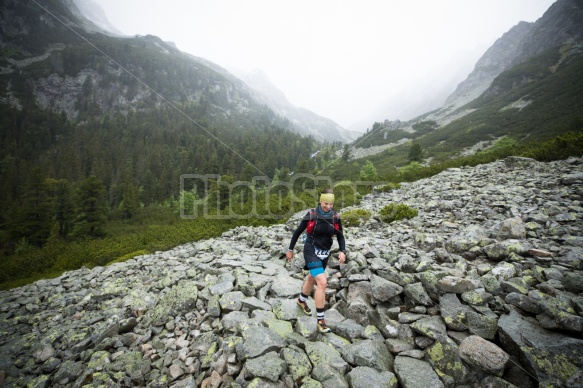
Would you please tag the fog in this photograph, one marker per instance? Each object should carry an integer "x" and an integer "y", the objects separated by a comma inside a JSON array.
[{"x": 341, "y": 59}]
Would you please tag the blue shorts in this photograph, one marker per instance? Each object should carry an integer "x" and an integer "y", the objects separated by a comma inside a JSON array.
[
  {"x": 313, "y": 263},
  {"x": 316, "y": 271}
]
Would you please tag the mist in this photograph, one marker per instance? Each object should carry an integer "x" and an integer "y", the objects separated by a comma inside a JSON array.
[{"x": 352, "y": 62}]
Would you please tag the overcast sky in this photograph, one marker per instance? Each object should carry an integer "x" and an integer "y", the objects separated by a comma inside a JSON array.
[{"x": 338, "y": 58}]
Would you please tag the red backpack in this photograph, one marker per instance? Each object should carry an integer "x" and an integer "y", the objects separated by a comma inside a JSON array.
[{"x": 314, "y": 219}]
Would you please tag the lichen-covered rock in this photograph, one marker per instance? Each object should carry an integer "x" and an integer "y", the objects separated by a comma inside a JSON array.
[
  {"x": 457, "y": 285},
  {"x": 298, "y": 362},
  {"x": 320, "y": 353},
  {"x": 432, "y": 327},
  {"x": 259, "y": 341},
  {"x": 365, "y": 377},
  {"x": 554, "y": 359},
  {"x": 374, "y": 354},
  {"x": 269, "y": 366},
  {"x": 413, "y": 373}
]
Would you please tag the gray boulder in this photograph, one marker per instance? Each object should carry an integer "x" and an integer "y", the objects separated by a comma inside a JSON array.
[
  {"x": 553, "y": 358},
  {"x": 413, "y": 373}
]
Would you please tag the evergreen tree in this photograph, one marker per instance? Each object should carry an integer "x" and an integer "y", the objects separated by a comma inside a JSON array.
[
  {"x": 63, "y": 205},
  {"x": 346, "y": 153},
  {"x": 130, "y": 202},
  {"x": 34, "y": 218},
  {"x": 415, "y": 153},
  {"x": 92, "y": 216},
  {"x": 368, "y": 172}
]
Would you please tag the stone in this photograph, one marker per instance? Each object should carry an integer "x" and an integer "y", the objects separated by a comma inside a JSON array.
[
  {"x": 285, "y": 286},
  {"x": 414, "y": 373},
  {"x": 329, "y": 376},
  {"x": 482, "y": 325},
  {"x": 268, "y": 366},
  {"x": 383, "y": 290},
  {"x": 374, "y": 354},
  {"x": 453, "y": 312},
  {"x": 365, "y": 377},
  {"x": 432, "y": 327},
  {"x": 484, "y": 354},
  {"x": 443, "y": 355},
  {"x": 259, "y": 341},
  {"x": 511, "y": 228},
  {"x": 320, "y": 353},
  {"x": 457, "y": 285},
  {"x": 417, "y": 294},
  {"x": 553, "y": 358},
  {"x": 298, "y": 362}
]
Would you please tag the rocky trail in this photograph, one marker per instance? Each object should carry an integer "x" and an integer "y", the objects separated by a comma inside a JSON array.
[{"x": 484, "y": 288}]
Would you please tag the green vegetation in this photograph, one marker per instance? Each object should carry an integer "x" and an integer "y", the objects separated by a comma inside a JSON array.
[
  {"x": 388, "y": 187},
  {"x": 395, "y": 212},
  {"x": 355, "y": 217},
  {"x": 156, "y": 229},
  {"x": 368, "y": 172}
]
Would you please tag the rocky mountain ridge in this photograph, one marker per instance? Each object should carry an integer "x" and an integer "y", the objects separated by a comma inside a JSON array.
[
  {"x": 561, "y": 24},
  {"x": 484, "y": 288},
  {"x": 304, "y": 120},
  {"x": 58, "y": 59}
]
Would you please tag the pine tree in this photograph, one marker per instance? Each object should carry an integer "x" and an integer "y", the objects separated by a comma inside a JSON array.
[
  {"x": 346, "y": 153},
  {"x": 34, "y": 217},
  {"x": 92, "y": 216},
  {"x": 415, "y": 153},
  {"x": 130, "y": 202},
  {"x": 368, "y": 172},
  {"x": 63, "y": 205}
]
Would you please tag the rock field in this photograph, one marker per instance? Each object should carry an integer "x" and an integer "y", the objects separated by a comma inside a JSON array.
[{"x": 484, "y": 288}]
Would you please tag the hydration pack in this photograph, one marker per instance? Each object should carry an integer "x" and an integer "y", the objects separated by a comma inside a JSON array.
[{"x": 314, "y": 220}]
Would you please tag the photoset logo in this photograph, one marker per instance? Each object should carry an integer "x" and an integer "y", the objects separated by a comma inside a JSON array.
[{"x": 215, "y": 197}]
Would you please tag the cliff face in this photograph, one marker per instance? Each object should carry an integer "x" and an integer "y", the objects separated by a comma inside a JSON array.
[
  {"x": 495, "y": 60},
  {"x": 562, "y": 23},
  {"x": 492, "y": 267}
]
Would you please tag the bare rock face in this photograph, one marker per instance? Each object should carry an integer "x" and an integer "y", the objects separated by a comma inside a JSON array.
[{"x": 474, "y": 307}]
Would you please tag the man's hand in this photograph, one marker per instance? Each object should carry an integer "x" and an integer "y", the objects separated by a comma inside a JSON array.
[
  {"x": 341, "y": 257},
  {"x": 289, "y": 255}
]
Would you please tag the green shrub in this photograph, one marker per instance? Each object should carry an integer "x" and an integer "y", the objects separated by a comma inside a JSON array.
[
  {"x": 388, "y": 187},
  {"x": 397, "y": 211},
  {"x": 355, "y": 217}
]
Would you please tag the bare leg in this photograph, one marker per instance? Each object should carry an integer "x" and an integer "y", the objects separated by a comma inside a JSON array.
[
  {"x": 320, "y": 294},
  {"x": 308, "y": 286}
]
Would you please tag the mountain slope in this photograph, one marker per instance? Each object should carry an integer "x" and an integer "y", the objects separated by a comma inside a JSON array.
[
  {"x": 524, "y": 100},
  {"x": 130, "y": 111},
  {"x": 561, "y": 23},
  {"x": 305, "y": 121}
]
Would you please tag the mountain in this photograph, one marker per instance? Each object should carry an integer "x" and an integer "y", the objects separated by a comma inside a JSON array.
[
  {"x": 495, "y": 60},
  {"x": 305, "y": 121},
  {"x": 527, "y": 86},
  {"x": 426, "y": 93},
  {"x": 561, "y": 23},
  {"x": 46, "y": 37},
  {"x": 135, "y": 113}
]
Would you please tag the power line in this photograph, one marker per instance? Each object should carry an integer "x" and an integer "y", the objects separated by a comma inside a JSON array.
[{"x": 147, "y": 86}]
